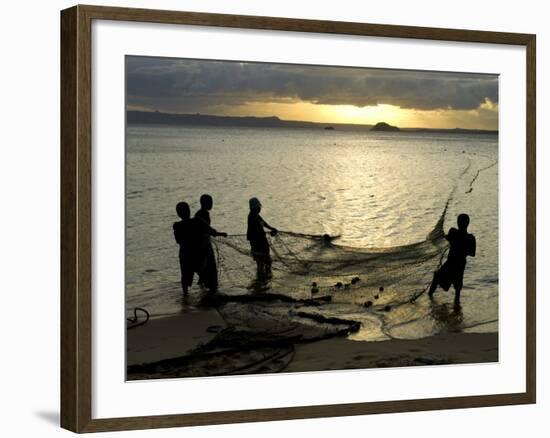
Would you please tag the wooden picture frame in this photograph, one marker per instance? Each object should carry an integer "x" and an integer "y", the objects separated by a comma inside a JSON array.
[{"x": 76, "y": 217}]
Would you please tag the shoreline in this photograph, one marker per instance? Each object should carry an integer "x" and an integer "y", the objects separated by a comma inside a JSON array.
[{"x": 190, "y": 345}]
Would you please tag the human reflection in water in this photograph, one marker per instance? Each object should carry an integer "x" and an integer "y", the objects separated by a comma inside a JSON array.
[
  {"x": 450, "y": 321},
  {"x": 462, "y": 245},
  {"x": 208, "y": 272},
  {"x": 185, "y": 237},
  {"x": 255, "y": 234}
]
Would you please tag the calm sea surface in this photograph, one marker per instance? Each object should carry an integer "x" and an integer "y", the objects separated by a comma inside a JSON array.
[{"x": 374, "y": 190}]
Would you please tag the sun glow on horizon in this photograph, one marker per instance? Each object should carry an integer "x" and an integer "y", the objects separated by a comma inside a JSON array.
[
  {"x": 306, "y": 111},
  {"x": 369, "y": 115},
  {"x": 366, "y": 115},
  {"x": 484, "y": 117}
]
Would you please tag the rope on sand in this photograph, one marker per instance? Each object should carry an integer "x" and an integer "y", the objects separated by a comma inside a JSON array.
[{"x": 134, "y": 320}]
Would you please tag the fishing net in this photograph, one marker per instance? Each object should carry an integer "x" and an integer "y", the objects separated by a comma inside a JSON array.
[
  {"x": 309, "y": 266},
  {"x": 319, "y": 289}
]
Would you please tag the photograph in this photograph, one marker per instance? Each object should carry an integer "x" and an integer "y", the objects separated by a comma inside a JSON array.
[
  {"x": 284, "y": 218},
  {"x": 275, "y": 219}
]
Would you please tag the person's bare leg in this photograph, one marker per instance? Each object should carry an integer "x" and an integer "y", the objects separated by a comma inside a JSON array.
[
  {"x": 184, "y": 286},
  {"x": 264, "y": 270},
  {"x": 457, "y": 295},
  {"x": 433, "y": 286}
]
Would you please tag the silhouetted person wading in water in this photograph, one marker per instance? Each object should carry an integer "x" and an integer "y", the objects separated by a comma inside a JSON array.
[
  {"x": 255, "y": 234},
  {"x": 209, "y": 273},
  {"x": 462, "y": 244},
  {"x": 185, "y": 236}
]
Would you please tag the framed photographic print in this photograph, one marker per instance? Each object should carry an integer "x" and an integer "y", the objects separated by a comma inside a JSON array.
[{"x": 268, "y": 218}]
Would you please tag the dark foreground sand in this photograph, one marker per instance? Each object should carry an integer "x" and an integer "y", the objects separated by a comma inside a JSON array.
[
  {"x": 447, "y": 348},
  {"x": 190, "y": 344}
]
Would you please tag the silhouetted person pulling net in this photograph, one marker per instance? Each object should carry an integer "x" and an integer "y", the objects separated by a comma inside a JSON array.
[
  {"x": 208, "y": 274},
  {"x": 185, "y": 236},
  {"x": 462, "y": 244},
  {"x": 255, "y": 234}
]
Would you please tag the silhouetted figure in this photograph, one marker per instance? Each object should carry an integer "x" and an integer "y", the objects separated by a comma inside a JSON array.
[
  {"x": 185, "y": 236},
  {"x": 255, "y": 234},
  {"x": 208, "y": 274},
  {"x": 462, "y": 244}
]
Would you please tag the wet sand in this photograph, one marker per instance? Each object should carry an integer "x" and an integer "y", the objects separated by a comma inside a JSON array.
[
  {"x": 171, "y": 337},
  {"x": 201, "y": 343}
]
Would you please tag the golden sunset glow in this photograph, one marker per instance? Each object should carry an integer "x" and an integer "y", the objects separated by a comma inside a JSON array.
[
  {"x": 369, "y": 115},
  {"x": 327, "y": 113},
  {"x": 328, "y": 95}
]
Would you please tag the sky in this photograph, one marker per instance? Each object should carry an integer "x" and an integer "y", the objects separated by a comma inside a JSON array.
[{"x": 325, "y": 94}]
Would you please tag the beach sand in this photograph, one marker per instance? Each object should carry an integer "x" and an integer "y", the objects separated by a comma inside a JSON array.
[
  {"x": 171, "y": 337},
  {"x": 190, "y": 345},
  {"x": 444, "y": 348}
]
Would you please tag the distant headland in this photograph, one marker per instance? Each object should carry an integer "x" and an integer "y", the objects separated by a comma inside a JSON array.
[{"x": 161, "y": 118}]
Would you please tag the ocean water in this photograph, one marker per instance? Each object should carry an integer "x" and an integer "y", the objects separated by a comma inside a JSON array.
[{"x": 378, "y": 192}]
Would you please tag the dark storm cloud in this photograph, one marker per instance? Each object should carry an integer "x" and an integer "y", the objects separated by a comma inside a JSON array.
[{"x": 191, "y": 85}]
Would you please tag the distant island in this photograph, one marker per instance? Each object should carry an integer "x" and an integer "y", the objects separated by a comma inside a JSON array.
[
  {"x": 160, "y": 118},
  {"x": 383, "y": 126}
]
